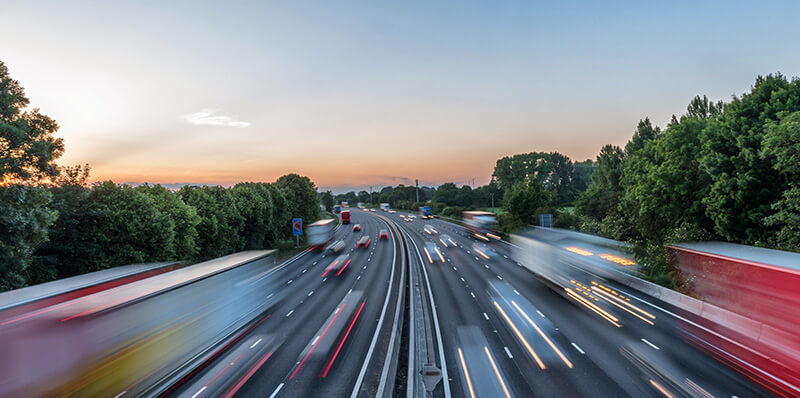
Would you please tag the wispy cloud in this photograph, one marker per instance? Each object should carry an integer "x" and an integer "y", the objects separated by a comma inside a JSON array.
[{"x": 211, "y": 117}]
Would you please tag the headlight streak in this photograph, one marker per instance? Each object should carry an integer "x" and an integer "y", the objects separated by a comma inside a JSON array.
[
  {"x": 466, "y": 373},
  {"x": 496, "y": 372},
  {"x": 544, "y": 336},
  {"x": 520, "y": 336},
  {"x": 596, "y": 309},
  {"x": 605, "y": 296}
]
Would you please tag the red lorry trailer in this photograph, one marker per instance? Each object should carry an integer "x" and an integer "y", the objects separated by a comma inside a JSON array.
[
  {"x": 751, "y": 309},
  {"x": 345, "y": 216}
]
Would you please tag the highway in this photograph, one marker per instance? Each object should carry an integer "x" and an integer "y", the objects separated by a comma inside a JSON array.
[
  {"x": 505, "y": 333},
  {"x": 327, "y": 335}
]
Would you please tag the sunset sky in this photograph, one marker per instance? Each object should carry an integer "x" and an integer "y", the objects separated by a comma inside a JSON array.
[{"x": 354, "y": 94}]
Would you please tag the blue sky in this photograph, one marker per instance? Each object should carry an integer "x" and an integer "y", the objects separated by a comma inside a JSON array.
[{"x": 373, "y": 93}]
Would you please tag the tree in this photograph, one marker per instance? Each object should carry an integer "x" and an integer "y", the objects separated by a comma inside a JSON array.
[
  {"x": 363, "y": 196},
  {"x": 183, "y": 216},
  {"x": 602, "y": 194},
  {"x": 254, "y": 202},
  {"x": 28, "y": 149},
  {"x": 645, "y": 132},
  {"x": 525, "y": 200},
  {"x": 744, "y": 184},
  {"x": 220, "y": 221},
  {"x": 326, "y": 198},
  {"x": 23, "y": 226},
  {"x": 301, "y": 197},
  {"x": 782, "y": 145},
  {"x": 446, "y": 193}
]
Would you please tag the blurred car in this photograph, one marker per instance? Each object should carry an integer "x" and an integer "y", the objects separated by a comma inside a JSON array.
[
  {"x": 372, "y": 210},
  {"x": 409, "y": 219},
  {"x": 356, "y": 227},
  {"x": 338, "y": 265},
  {"x": 429, "y": 229},
  {"x": 432, "y": 252},
  {"x": 447, "y": 241},
  {"x": 412, "y": 216},
  {"x": 364, "y": 242},
  {"x": 335, "y": 247},
  {"x": 383, "y": 234},
  {"x": 392, "y": 211},
  {"x": 484, "y": 251}
]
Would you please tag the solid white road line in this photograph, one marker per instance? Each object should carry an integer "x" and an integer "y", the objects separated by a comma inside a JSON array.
[
  {"x": 651, "y": 344},
  {"x": 578, "y": 348},
  {"x": 508, "y": 352},
  {"x": 256, "y": 343},
  {"x": 275, "y": 393}
]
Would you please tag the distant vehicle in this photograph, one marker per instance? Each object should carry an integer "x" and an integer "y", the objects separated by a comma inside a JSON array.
[
  {"x": 345, "y": 216},
  {"x": 335, "y": 247},
  {"x": 372, "y": 210},
  {"x": 337, "y": 209},
  {"x": 383, "y": 234},
  {"x": 412, "y": 216},
  {"x": 392, "y": 212},
  {"x": 447, "y": 241},
  {"x": 357, "y": 227},
  {"x": 338, "y": 265},
  {"x": 409, "y": 219},
  {"x": 345, "y": 204},
  {"x": 432, "y": 252},
  {"x": 364, "y": 242},
  {"x": 425, "y": 212},
  {"x": 360, "y": 205},
  {"x": 429, "y": 229},
  {"x": 481, "y": 224},
  {"x": 384, "y": 206},
  {"x": 320, "y": 233},
  {"x": 484, "y": 251}
]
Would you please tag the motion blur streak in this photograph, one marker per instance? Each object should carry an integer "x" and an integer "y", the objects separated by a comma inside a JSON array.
[
  {"x": 317, "y": 340},
  {"x": 660, "y": 389},
  {"x": 520, "y": 336},
  {"x": 428, "y": 254},
  {"x": 616, "y": 259},
  {"x": 579, "y": 251},
  {"x": 247, "y": 376},
  {"x": 343, "y": 268},
  {"x": 466, "y": 373},
  {"x": 347, "y": 333},
  {"x": 497, "y": 372},
  {"x": 439, "y": 253},
  {"x": 544, "y": 336},
  {"x": 610, "y": 299},
  {"x": 596, "y": 309}
]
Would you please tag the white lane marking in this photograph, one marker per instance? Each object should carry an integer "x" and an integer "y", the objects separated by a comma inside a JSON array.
[
  {"x": 290, "y": 313},
  {"x": 486, "y": 316},
  {"x": 270, "y": 295},
  {"x": 365, "y": 267},
  {"x": 487, "y": 267},
  {"x": 120, "y": 394},
  {"x": 476, "y": 258},
  {"x": 256, "y": 343},
  {"x": 499, "y": 277},
  {"x": 359, "y": 277},
  {"x": 310, "y": 293},
  {"x": 315, "y": 263},
  {"x": 315, "y": 340},
  {"x": 504, "y": 256},
  {"x": 304, "y": 271},
  {"x": 325, "y": 279},
  {"x": 540, "y": 313},
  {"x": 199, "y": 391},
  {"x": 515, "y": 291},
  {"x": 651, "y": 344},
  {"x": 462, "y": 280},
  {"x": 508, "y": 352},
  {"x": 290, "y": 281},
  {"x": 473, "y": 294},
  {"x": 577, "y": 348},
  {"x": 454, "y": 269},
  {"x": 275, "y": 393},
  {"x": 350, "y": 291}
]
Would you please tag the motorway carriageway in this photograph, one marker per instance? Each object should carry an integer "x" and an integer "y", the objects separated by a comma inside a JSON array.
[
  {"x": 504, "y": 333},
  {"x": 325, "y": 336}
]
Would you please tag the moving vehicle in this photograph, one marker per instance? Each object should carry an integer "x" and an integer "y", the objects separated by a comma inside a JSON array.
[
  {"x": 345, "y": 216},
  {"x": 363, "y": 242},
  {"x": 425, "y": 212},
  {"x": 335, "y": 247},
  {"x": 357, "y": 227},
  {"x": 372, "y": 210},
  {"x": 750, "y": 312},
  {"x": 338, "y": 265},
  {"x": 320, "y": 233},
  {"x": 432, "y": 252},
  {"x": 337, "y": 209},
  {"x": 384, "y": 207},
  {"x": 484, "y": 251},
  {"x": 383, "y": 234},
  {"x": 345, "y": 204},
  {"x": 447, "y": 241},
  {"x": 429, "y": 229},
  {"x": 360, "y": 205},
  {"x": 392, "y": 212},
  {"x": 481, "y": 224}
]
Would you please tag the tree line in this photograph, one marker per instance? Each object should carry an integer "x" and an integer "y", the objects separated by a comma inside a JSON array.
[{"x": 54, "y": 225}]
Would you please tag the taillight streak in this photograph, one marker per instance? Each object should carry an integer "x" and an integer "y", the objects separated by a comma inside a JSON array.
[
  {"x": 343, "y": 340},
  {"x": 345, "y": 266},
  {"x": 313, "y": 346}
]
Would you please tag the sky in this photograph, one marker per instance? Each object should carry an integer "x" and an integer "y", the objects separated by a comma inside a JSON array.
[{"x": 358, "y": 94}]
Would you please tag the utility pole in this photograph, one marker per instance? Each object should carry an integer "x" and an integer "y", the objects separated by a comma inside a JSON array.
[{"x": 416, "y": 183}]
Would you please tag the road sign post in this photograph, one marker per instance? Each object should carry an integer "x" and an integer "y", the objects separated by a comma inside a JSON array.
[
  {"x": 546, "y": 220},
  {"x": 297, "y": 229}
]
